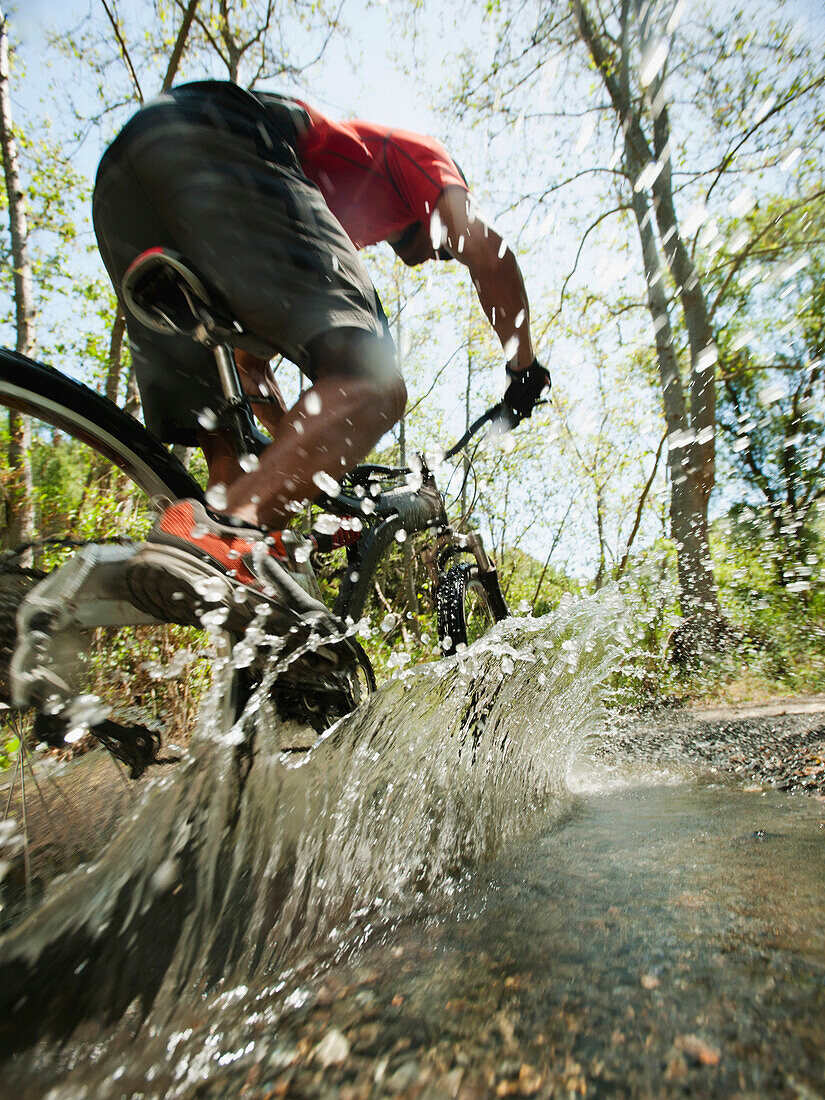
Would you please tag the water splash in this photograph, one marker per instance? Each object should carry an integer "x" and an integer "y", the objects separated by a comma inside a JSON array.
[{"x": 248, "y": 854}]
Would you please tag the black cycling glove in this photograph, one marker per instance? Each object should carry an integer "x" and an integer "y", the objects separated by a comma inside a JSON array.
[{"x": 525, "y": 390}]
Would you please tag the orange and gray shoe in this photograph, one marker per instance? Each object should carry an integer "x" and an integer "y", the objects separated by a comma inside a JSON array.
[{"x": 199, "y": 571}]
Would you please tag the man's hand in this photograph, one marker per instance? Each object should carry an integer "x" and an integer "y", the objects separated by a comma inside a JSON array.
[{"x": 525, "y": 391}]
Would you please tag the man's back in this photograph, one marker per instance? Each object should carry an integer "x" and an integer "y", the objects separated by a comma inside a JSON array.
[{"x": 377, "y": 181}]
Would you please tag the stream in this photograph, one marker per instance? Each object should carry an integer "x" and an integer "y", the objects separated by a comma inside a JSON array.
[{"x": 451, "y": 895}]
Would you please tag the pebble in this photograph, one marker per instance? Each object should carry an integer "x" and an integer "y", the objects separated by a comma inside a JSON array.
[
  {"x": 332, "y": 1050},
  {"x": 406, "y": 1075},
  {"x": 698, "y": 1050}
]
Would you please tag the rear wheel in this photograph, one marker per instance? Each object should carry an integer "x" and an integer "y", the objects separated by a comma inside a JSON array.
[
  {"x": 468, "y": 602},
  {"x": 60, "y": 803}
]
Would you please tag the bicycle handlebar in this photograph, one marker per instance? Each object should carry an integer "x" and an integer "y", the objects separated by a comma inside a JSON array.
[
  {"x": 476, "y": 425},
  {"x": 363, "y": 473}
]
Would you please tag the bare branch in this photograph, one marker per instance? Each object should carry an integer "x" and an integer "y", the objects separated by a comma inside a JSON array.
[
  {"x": 775, "y": 110},
  {"x": 593, "y": 225},
  {"x": 639, "y": 509},
  {"x": 124, "y": 52},
  {"x": 743, "y": 254},
  {"x": 180, "y": 42}
]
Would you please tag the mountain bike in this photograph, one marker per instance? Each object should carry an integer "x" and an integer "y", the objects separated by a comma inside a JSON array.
[{"x": 46, "y": 617}]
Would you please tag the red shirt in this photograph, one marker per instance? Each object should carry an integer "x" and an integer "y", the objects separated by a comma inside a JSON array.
[{"x": 376, "y": 181}]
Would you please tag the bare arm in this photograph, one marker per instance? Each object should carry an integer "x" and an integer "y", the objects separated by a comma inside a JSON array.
[{"x": 494, "y": 270}]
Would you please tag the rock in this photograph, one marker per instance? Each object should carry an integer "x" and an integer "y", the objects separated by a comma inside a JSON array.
[
  {"x": 332, "y": 1050},
  {"x": 406, "y": 1075},
  {"x": 283, "y": 1056},
  {"x": 529, "y": 1081},
  {"x": 506, "y": 1026},
  {"x": 451, "y": 1082},
  {"x": 676, "y": 1066},
  {"x": 697, "y": 1050},
  {"x": 380, "y": 1070}
]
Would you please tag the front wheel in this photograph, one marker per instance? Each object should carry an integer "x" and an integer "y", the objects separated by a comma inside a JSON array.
[{"x": 468, "y": 602}]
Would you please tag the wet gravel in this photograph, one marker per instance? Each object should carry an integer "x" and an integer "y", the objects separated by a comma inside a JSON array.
[
  {"x": 778, "y": 746},
  {"x": 660, "y": 941},
  {"x": 601, "y": 963}
]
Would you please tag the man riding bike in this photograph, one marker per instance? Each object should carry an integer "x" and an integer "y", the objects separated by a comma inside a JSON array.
[{"x": 270, "y": 201}]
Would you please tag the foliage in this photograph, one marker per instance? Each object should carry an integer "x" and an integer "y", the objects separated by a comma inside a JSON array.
[
  {"x": 745, "y": 109},
  {"x": 772, "y": 389}
]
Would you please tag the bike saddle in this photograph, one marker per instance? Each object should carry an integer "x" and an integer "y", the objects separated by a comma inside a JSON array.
[{"x": 164, "y": 293}]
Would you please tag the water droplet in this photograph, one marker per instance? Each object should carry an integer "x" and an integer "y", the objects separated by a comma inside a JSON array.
[
  {"x": 214, "y": 620},
  {"x": 312, "y": 403},
  {"x": 208, "y": 420},
  {"x": 414, "y": 480},
  {"x": 216, "y": 496},
  {"x": 706, "y": 358},
  {"x": 326, "y": 524},
  {"x": 763, "y": 109},
  {"x": 793, "y": 269},
  {"x": 653, "y": 60},
  {"x": 401, "y": 535},
  {"x": 249, "y": 463},
  {"x": 326, "y": 483},
  {"x": 81, "y": 713},
  {"x": 586, "y": 132},
  {"x": 211, "y": 589},
  {"x": 243, "y": 654},
  {"x": 769, "y": 394},
  {"x": 742, "y": 203},
  {"x": 438, "y": 233}
]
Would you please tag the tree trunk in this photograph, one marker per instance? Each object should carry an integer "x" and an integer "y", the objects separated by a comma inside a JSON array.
[
  {"x": 465, "y": 462},
  {"x": 114, "y": 362},
  {"x": 118, "y": 332},
  {"x": 20, "y": 501},
  {"x": 689, "y": 481},
  {"x": 132, "y": 403},
  {"x": 691, "y": 429}
]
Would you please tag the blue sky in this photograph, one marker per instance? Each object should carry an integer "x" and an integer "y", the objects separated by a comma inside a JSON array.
[{"x": 362, "y": 77}]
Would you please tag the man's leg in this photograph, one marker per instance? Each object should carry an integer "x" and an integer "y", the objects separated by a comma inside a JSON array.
[{"x": 358, "y": 395}]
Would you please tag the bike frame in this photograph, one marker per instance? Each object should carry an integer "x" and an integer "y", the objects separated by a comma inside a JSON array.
[
  {"x": 401, "y": 508},
  {"x": 88, "y": 591}
]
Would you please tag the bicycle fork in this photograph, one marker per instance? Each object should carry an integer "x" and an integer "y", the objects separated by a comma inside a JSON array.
[{"x": 448, "y": 545}]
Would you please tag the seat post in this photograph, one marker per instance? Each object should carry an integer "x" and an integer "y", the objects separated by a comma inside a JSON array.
[
  {"x": 236, "y": 414},
  {"x": 228, "y": 374}
]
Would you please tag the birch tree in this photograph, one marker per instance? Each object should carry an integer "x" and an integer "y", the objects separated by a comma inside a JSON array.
[
  {"x": 20, "y": 495},
  {"x": 675, "y": 120}
]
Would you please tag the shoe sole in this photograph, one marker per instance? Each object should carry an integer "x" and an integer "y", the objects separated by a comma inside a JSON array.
[{"x": 169, "y": 584}]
